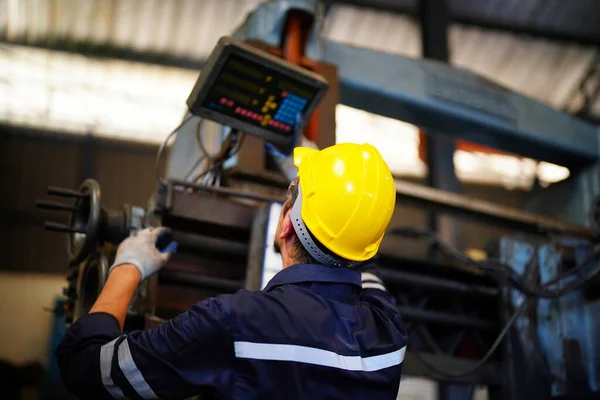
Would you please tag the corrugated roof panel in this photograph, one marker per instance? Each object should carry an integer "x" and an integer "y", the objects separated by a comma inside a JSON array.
[
  {"x": 543, "y": 70},
  {"x": 546, "y": 71},
  {"x": 377, "y": 30}
]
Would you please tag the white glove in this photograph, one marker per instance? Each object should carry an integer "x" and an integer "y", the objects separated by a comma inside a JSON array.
[{"x": 141, "y": 250}]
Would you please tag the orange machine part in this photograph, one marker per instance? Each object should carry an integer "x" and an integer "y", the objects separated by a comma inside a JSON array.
[
  {"x": 460, "y": 145},
  {"x": 295, "y": 37}
]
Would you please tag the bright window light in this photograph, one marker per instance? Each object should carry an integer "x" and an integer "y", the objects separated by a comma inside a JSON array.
[
  {"x": 398, "y": 143},
  {"x": 551, "y": 173},
  {"x": 71, "y": 93}
]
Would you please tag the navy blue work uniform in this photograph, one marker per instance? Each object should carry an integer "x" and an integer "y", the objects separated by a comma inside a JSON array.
[{"x": 314, "y": 332}]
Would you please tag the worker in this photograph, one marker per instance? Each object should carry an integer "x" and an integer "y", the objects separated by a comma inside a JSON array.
[{"x": 320, "y": 329}]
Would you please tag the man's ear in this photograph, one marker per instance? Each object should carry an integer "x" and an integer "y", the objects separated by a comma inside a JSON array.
[{"x": 287, "y": 230}]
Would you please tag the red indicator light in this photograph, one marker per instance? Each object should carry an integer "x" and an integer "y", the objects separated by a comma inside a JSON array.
[
  {"x": 229, "y": 103},
  {"x": 287, "y": 128},
  {"x": 223, "y": 100},
  {"x": 284, "y": 94},
  {"x": 244, "y": 112},
  {"x": 238, "y": 110},
  {"x": 260, "y": 118}
]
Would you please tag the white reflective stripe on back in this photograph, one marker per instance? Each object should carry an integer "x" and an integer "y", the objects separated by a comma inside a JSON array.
[
  {"x": 132, "y": 373},
  {"x": 372, "y": 285},
  {"x": 312, "y": 355},
  {"x": 106, "y": 357}
]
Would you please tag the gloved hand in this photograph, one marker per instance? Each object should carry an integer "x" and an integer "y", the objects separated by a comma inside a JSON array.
[{"x": 143, "y": 250}]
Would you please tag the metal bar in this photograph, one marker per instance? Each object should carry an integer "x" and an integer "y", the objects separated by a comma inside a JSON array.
[
  {"x": 56, "y": 227},
  {"x": 428, "y": 282},
  {"x": 484, "y": 211},
  {"x": 52, "y": 205},
  {"x": 210, "y": 245},
  {"x": 460, "y": 103},
  {"x": 62, "y": 192},
  {"x": 434, "y": 18},
  {"x": 228, "y": 285},
  {"x": 436, "y": 317},
  {"x": 227, "y": 192}
]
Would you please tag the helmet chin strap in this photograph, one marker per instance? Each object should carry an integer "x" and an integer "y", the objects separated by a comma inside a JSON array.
[{"x": 306, "y": 240}]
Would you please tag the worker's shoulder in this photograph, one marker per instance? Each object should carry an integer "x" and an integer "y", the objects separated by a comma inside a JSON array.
[
  {"x": 246, "y": 300},
  {"x": 267, "y": 306}
]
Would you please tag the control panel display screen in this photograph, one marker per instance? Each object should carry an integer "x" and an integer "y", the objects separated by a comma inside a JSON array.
[{"x": 255, "y": 94}]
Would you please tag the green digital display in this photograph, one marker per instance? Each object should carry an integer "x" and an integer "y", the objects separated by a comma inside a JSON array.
[{"x": 259, "y": 95}]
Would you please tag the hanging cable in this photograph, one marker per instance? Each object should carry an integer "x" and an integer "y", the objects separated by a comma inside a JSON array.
[
  {"x": 450, "y": 375},
  {"x": 163, "y": 146},
  {"x": 211, "y": 175},
  {"x": 498, "y": 270}
]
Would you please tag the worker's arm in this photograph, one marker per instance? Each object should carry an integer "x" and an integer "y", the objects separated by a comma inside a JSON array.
[
  {"x": 178, "y": 359},
  {"x": 118, "y": 292},
  {"x": 175, "y": 359}
]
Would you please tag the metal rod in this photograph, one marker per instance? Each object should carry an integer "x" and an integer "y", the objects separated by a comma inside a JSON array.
[
  {"x": 56, "y": 191},
  {"x": 52, "y": 205},
  {"x": 446, "y": 319},
  {"x": 229, "y": 285},
  {"x": 228, "y": 192},
  {"x": 210, "y": 244},
  {"x": 485, "y": 211},
  {"x": 428, "y": 282},
  {"x": 56, "y": 227}
]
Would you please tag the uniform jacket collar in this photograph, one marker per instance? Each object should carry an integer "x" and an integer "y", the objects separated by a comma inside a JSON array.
[{"x": 302, "y": 273}]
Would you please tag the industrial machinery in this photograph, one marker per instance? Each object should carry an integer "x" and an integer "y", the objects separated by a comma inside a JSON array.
[{"x": 523, "y": 321}]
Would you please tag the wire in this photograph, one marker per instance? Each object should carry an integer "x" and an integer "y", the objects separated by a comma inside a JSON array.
[
  {"x": 212, "y": 174},
  {"x": 501, "y": 271},
  {"x": 448, "y": 375},
  {"x": 163, "y": 146}
]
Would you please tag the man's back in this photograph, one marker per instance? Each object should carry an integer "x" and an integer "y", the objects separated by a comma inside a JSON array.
[
  {"x": 317, "y": 340},
  {"x": 312, "y": 333}
]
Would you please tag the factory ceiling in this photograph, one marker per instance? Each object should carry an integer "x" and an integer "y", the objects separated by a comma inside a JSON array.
[
  {"x": 100, "y": 39},
  {"x": 547, "y": 55}
]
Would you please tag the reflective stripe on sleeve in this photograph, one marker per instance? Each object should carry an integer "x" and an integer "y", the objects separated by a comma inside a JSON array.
[
  {"x": 132, "y": 373},
  {"x": 106, "y": 357}
]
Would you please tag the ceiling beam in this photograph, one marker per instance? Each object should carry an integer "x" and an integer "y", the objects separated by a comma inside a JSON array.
[
  {"x": 481, "y": 21},
  {"x": 108, "y": 51}
]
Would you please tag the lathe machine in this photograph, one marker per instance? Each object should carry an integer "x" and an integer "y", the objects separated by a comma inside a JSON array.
[{"x": 529, "y": 310}]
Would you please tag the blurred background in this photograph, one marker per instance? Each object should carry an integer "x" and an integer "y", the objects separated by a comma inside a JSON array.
[{"x": 90, "y": 88}]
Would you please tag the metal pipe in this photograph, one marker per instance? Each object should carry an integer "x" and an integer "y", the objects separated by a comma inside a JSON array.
[
  {"x": 428, "y": 282},
  {"x": 56, "y": 191},
  {"x": 488, "y": 212},
  {"x": 210, "y": 244},
  {"x": 56, "y": 227},
  {"x": 53, "y": 205},
  {"x": 227, "y": 192},
  {"x": 228, "y": 285},
  {"x": 436, "y": 317}
]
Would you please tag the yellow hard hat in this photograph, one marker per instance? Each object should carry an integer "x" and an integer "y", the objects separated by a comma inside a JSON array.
[{"x": 346, "y": 200}]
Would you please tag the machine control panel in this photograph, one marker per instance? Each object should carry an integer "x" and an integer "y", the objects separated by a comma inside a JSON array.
[{"x": 255, "y": 92}]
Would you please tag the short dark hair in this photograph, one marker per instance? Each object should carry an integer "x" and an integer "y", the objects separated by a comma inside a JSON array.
[{"x": 299, "y": 253}]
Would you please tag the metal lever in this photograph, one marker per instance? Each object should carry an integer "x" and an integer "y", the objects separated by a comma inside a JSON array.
[
  {"x": 51, "y": 205},
  {"x": 56, "y": 227},
  {"x": 56, "y": 191}
]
